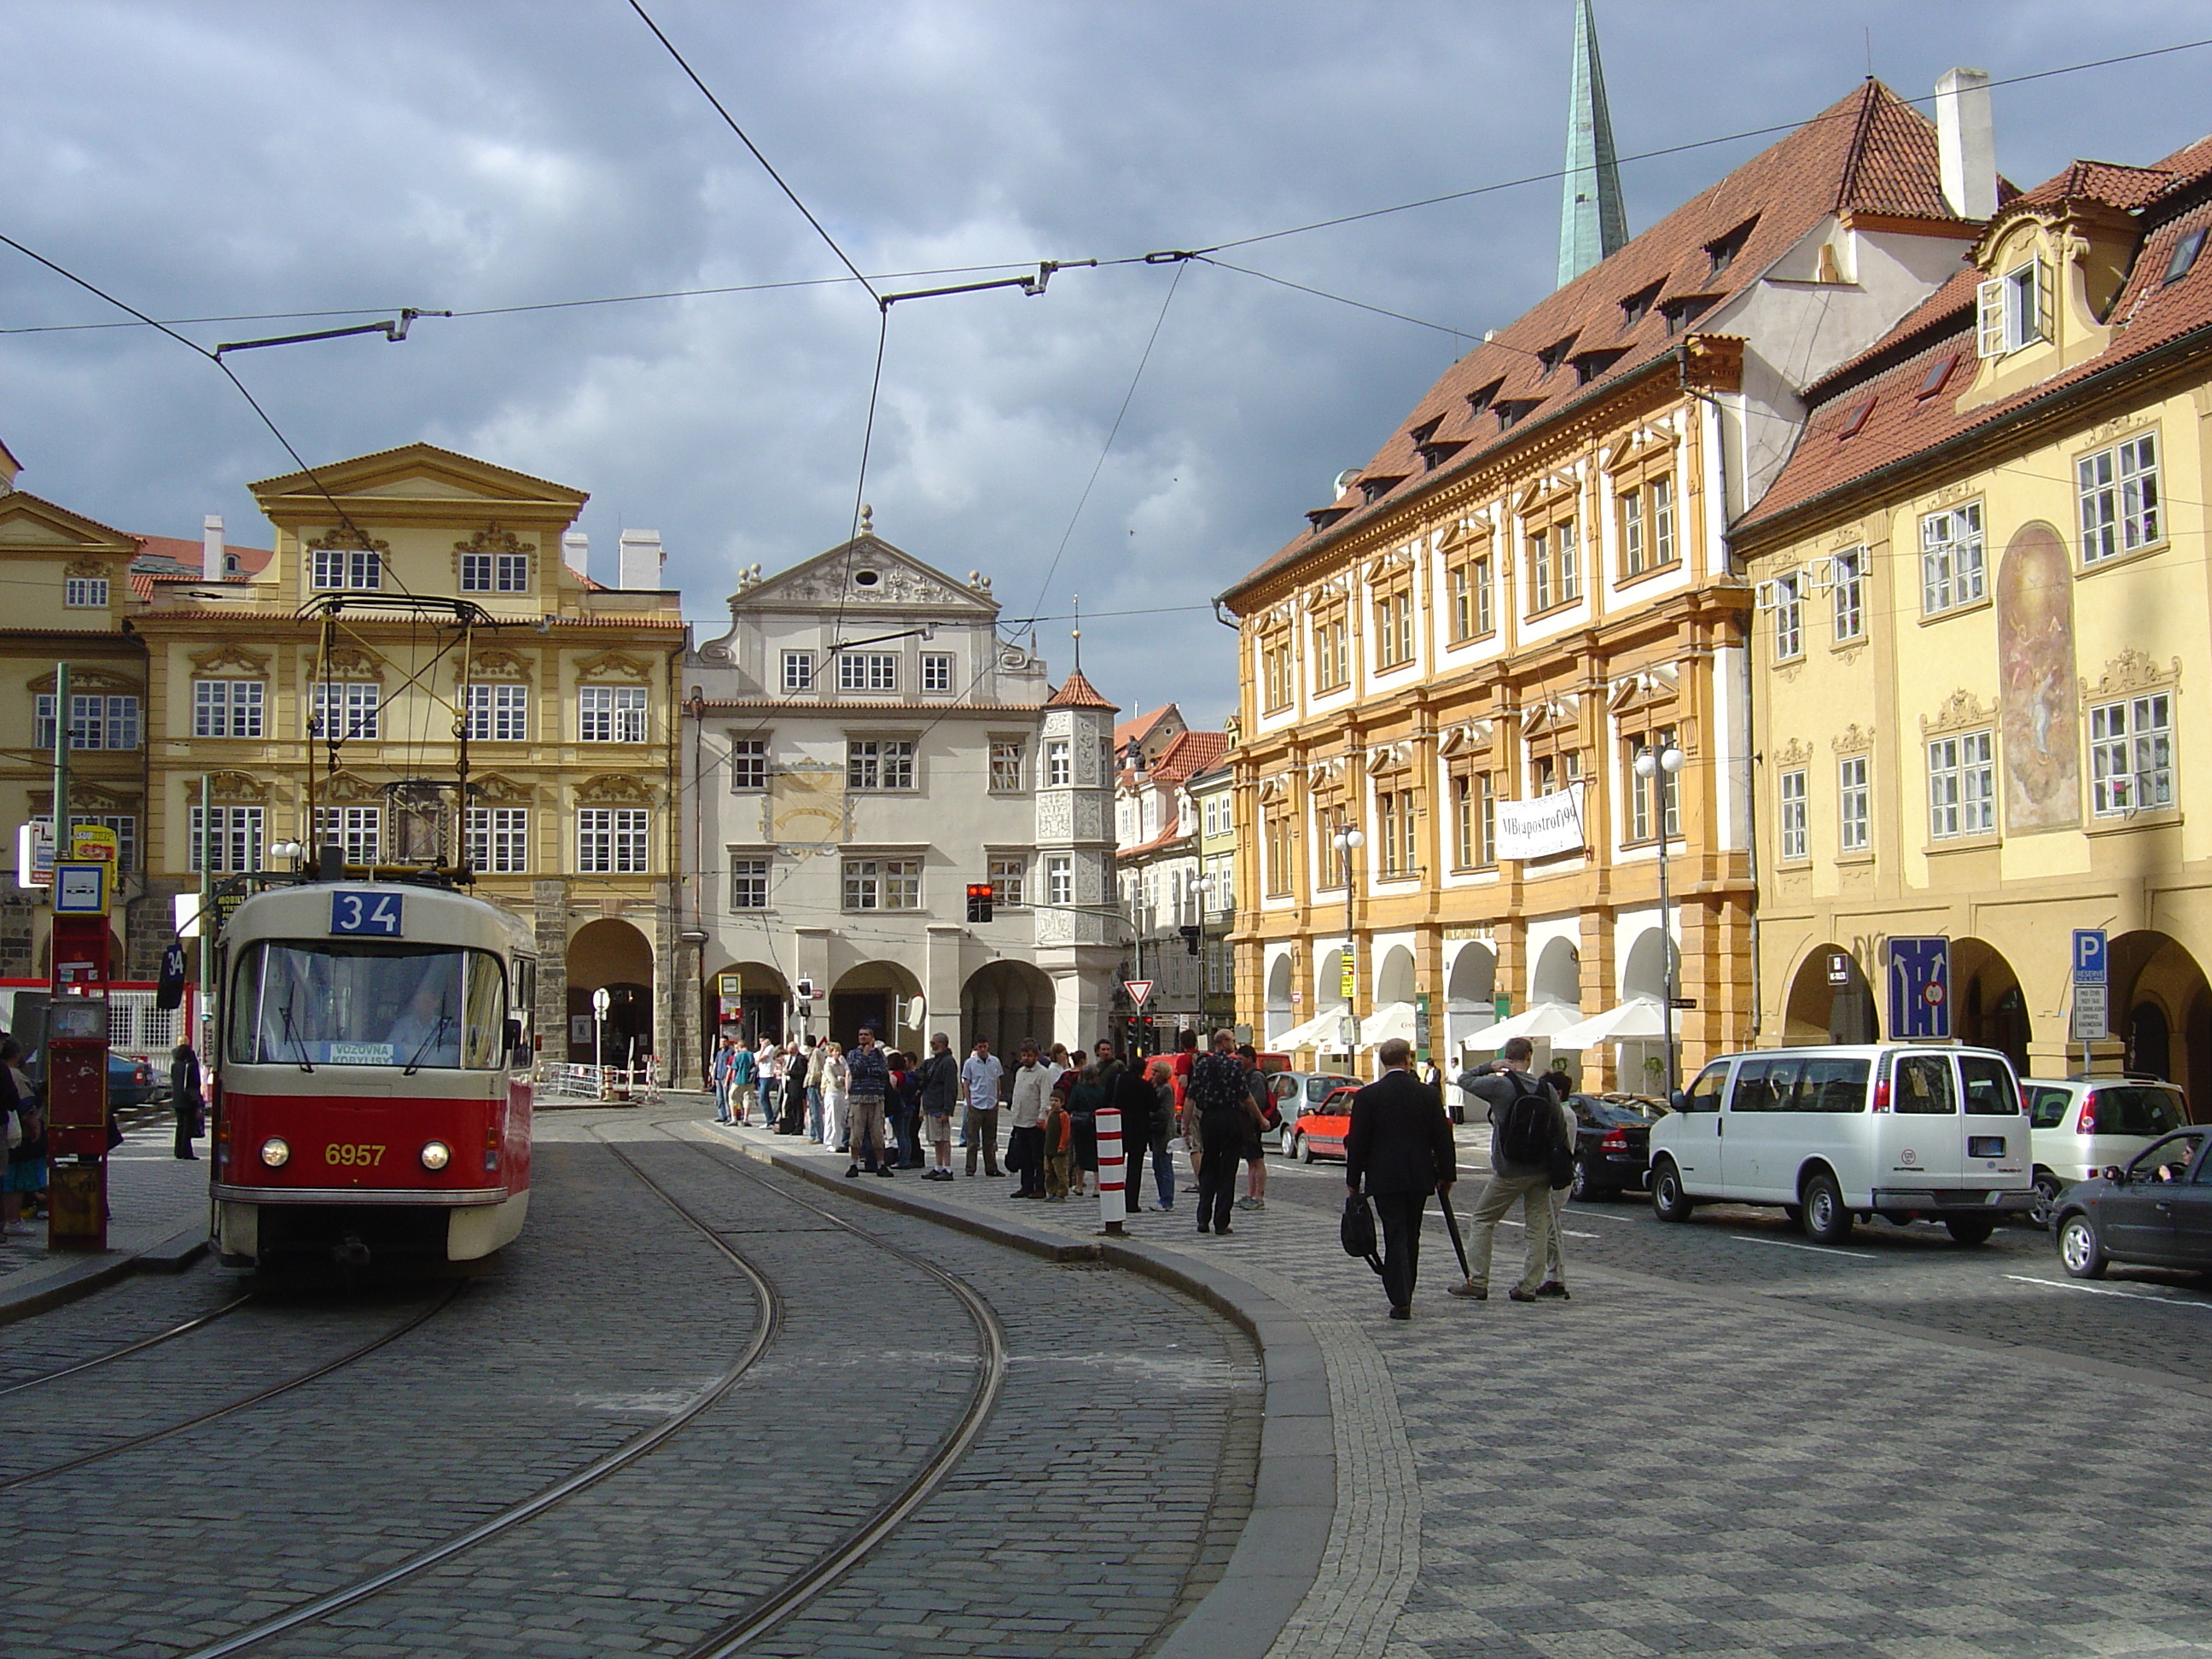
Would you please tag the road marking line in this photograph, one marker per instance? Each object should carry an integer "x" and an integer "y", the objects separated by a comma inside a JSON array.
[
  {"x": 1817, "y": 1249},
  {"x": 1569, "y": 1231},
  {"x": 2106, "y": 1289}
]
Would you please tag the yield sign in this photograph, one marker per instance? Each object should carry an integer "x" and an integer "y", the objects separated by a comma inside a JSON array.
[{"x": 1138, "y": 989}]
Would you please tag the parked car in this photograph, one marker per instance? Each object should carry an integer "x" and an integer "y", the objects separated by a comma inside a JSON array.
[
  {"x": 2080, "y": 1126},
  {"x": 129, "y": 1082},
  {"x": 1296, "y": 1091},
  {"x": 1613, "y": 1143},
  {"x": 2156, "y": 1210},
  {"x": 1849, "y": 1132},
  {"x": 1320, "y": 1128}
]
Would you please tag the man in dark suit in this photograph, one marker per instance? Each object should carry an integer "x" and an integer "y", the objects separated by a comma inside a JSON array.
[{"x": 1401, "y": 1145}]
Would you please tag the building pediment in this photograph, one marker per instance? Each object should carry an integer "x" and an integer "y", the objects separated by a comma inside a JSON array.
[
  {"x": 415, "y": 472},
  {"x": 229, "y": 654},
  {"x": 495, "y": 790},
  {"x": 27, "y": 524},
  {"x": 614, "y": 665},
  {"x": 84, "y": 680},
  {"x": 619, "y": 787},
  {"x": 840, "y": 580}
]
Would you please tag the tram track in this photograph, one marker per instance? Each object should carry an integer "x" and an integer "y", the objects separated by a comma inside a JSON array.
[
  {"x": 213, "y": 1414},
  {"x": 799, "y": 1588},
  {"x": 125, "y": 1349}
]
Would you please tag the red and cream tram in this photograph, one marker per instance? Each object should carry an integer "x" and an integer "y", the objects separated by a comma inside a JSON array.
[{"x": 373, "y": 1090}]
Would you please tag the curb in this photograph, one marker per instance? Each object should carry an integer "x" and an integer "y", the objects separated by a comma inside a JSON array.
[
  {"x": 82, "y": 1277},
  {"x": 1279, "y": 1553}
]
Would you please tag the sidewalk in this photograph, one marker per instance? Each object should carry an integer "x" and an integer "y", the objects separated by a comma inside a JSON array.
[
  {"x": 158, "y": 1212},
  {"x": 1651, "y": 1468}
]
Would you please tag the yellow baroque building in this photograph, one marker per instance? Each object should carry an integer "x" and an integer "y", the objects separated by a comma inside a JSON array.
[
  {"x": 1983, "y": 608},
  {"x": 1529, "y": 584},
  {"x": 273, "y": 715}
]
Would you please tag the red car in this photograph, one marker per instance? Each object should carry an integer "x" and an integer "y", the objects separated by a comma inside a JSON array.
[{"x": 1319, "y": 1130}]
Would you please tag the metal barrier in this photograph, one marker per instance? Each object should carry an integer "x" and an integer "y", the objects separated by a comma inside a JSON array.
[{"x": 558, "y": 1080}]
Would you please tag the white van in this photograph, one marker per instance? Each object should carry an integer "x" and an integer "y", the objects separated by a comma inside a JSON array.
[{"x": 1831, "y": 1134}]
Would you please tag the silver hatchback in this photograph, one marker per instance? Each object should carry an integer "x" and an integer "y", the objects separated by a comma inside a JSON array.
[{"x": 2079, "y": 1125}]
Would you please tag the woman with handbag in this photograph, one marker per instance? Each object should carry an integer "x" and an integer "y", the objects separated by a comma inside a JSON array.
[{"x": 185, "y": 1098}]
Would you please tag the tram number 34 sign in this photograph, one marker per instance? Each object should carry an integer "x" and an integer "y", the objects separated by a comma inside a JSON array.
[{"x": 374, "y": 913}]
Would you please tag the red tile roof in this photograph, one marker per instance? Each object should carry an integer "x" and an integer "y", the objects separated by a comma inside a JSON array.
[
  {"x": 1140, "y": 727},
  {"x": 172, "y": 559},
  {"x": 1188, "y": 755},
  {"x": 1871, "y": 153},
  {"x": 1844, "y": 441},
  {"x": 1076, "y": 692}
]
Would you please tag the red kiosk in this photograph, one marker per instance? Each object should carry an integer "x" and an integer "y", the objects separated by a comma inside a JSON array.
[{"x": 77, "y": 1045}]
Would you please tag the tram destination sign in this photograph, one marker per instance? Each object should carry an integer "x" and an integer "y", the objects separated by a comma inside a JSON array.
[{"x": 375, "y": 914}]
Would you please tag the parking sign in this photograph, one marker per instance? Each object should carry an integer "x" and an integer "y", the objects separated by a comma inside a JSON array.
[
  {"x": 2088, "y": 956},
  {"x": 1920, "y": 988}
]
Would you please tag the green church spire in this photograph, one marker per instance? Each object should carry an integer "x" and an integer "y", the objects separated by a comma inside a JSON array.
[{"x": 1592, "y": 221}]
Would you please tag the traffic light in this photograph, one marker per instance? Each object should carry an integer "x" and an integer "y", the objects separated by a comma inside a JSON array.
[
  {"x": 979, "y": 900},
  {"x": 1190, "y": 939}
]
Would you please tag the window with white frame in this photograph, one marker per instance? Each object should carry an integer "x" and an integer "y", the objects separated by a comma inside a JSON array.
[
  {"x": 1650, "y": 797},
  {"x": 1962, "y": 779},
  {"x": 2119, "y": 499},
  {"x": 1790, "y": 615},
  {"x": 1006, "y": 765},
  {"x": 611, "y": 840},
  {"x": 879, "y": 764},
  {"x": 498, "y": 711},
  {"x": 224, "y": 838},
  {"x": 867, "y": 671},
  {"x": 936, "y": 671},
  {"x": 344, "y": 709},
  {"x": 748, "y": 764},
  {"x": 359, "y": 830},
  {"x": 1849, "y": 594},
  {"x": 883, "y": 884},
  {"x": 1951, "y": 558},
  {"x": 96, "y": 721},
  {"x": 748, "y": 882},
  {"x": 495, "y": 573},
  {"x": 124, "y": 824},
  {"x": 1056, "y": 759},
  {"x": 1792, "y": 815},
  {"x": 1854, "y": 805},
  {"x": 359, "y": 569},
  {"x": 1647, "y": 526},
  {"x": 1008, "y": 871},
  {"x": 610, "y": 713},
  {"x": 798, "y": 670},
  {"x": 1394, "y": 628},
  {"x": 227, "y": 708},
  {"x": 2013, "y": 310},
  {"x": 1059, "y": 880},
  {"x": 2131, "y": 755},
  {"x": 498, "y": 839},
  {"x": 85, "y": 592}
]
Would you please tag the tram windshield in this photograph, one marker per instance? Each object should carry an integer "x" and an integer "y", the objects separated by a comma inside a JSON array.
[{"x": 346, "y": 1002}]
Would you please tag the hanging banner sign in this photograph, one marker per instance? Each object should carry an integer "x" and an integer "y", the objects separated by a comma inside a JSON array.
[{"x": 1542, "y": 828}]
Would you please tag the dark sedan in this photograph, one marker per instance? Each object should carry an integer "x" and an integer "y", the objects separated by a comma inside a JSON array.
[
  {"x": 2156, "y": 1212},
  {"x": 1613, "y": 1144}
]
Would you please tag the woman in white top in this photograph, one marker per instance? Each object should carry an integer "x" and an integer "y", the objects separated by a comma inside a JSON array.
[{"x": 835, "y": 1078}]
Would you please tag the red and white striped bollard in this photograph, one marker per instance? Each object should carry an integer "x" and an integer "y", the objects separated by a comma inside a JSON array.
[{"x": 1113, "y": 1168}]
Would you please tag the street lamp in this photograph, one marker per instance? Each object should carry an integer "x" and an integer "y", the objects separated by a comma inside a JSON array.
[
  {"x": 1348, "y": 840},
  {"x": 1649, "y": 766}
]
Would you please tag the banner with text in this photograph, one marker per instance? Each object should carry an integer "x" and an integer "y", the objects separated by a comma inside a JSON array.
[{"x": 1541, "y": 828}]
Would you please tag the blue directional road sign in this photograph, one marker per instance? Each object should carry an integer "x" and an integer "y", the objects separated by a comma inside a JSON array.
[
  {"x": 1919, "y": 988},
  {"x": 2088, "y": 956}
]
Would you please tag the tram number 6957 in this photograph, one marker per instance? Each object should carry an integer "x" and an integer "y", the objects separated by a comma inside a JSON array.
[{"x": 338, "y": 1152}]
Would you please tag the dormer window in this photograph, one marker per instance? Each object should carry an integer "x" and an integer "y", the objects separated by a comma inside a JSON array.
[
  {"x": 2013, "y": 310},
  {"x": 1427, "y": 430},
  {"x": 1590, "y": 365},
  {"x": 1512, "y": 410},
  {"x": 1637, "y": 306},
  {"x": 1939, "y": 375},
  {"x": 1684, "y": 309},
  {"x": 1555, "y": 354},
  {"x": 1322, "y": 517},
  {"x": 1722, "y": 250},
  {"x": 2184, "y": 254},
  {"x": 1481, "y": 399},
  {"x": 1434, "y": 455},
  {"x": 1372, "y": 490},
  {"x": 1857, "y": 419}
]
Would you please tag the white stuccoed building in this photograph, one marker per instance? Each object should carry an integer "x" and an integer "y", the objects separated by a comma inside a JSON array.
[{"x": 860, "y": 747}]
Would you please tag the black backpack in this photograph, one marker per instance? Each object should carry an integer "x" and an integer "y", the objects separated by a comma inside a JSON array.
[{"x": 1528, "y": 1131}]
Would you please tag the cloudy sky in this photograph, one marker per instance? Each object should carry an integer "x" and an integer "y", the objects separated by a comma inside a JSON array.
[{"x": 208, "y": 159}]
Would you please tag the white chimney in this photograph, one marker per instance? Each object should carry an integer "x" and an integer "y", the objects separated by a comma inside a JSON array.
[
  {"x": 211, "y": 548},
  {"x": 1965, "y": 142},
  {"x": 576, "y": 552},
  {"x": 641, "y": 559}
]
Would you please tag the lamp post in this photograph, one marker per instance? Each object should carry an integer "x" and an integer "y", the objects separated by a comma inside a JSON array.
[
  {"x": 1204, "y": 887},
  {"x": 1657, "y": 769},
  {"x": 1348, "y": 840}
]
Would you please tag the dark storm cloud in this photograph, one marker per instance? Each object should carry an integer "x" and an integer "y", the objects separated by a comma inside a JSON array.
[{"x": 238, "y": 157}]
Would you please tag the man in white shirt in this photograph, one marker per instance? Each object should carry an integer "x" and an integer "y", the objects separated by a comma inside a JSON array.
[
  {"x": 980, "y": 1075},
  {"x": 1033, "y": 1081}
]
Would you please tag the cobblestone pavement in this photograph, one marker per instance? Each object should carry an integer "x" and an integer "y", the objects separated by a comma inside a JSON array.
[
  {"x": 1091, "y": 1512},
  {"x": 151, "y": 1193},
  {"x": 1729, "y": 1444}
]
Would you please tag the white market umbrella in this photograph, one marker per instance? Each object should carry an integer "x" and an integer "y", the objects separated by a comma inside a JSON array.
[
  {"x": 1321, "y": 1031},
  {"x": 1639, "y": 1019},
  {"x": 1391, "y": 1019},
  {"x": 1539, "y": 1019}
]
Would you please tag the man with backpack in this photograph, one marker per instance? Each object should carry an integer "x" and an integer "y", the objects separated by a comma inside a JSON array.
[{"x": 1532, "y": 1140}]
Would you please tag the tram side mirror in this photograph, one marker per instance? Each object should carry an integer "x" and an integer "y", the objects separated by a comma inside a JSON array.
[{"x": 514, "y": 1035}]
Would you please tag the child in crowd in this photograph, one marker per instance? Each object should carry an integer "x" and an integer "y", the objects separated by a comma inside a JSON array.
[{"x": 1059, "y": 1143}]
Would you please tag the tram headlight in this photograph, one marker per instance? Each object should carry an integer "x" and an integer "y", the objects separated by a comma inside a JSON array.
[
  {"x": 275, "y": 1153},
  {"x": 436, "y": 1155}
]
